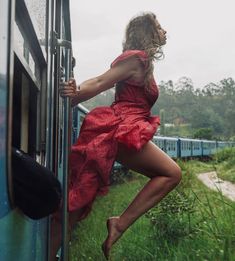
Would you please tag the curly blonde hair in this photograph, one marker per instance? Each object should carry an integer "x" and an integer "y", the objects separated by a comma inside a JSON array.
[{"x": 142, "y": 34}]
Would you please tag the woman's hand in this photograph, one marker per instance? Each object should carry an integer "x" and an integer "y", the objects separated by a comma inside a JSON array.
[{"x": 69, "y": 89}]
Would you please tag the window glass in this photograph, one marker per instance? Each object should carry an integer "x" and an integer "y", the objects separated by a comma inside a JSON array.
[
  {"x": 22, "y": 48},
  {"x": 37, "y": 12}
]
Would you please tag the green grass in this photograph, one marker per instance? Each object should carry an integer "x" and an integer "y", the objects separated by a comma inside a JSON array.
[
  {"x": 191, "y": 223},
  {"x": 224, "y": 162}
]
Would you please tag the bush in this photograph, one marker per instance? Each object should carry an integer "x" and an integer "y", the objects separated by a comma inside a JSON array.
[
  {"x": 203, "y": 133},
  {"x": 171, "y": 217},
  {"x": 224, "y": 154}
]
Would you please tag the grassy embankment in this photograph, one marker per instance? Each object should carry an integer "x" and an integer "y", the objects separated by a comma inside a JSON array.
[
  {"x": 224, "y": 162},
  {"x": 191, "y": 223}
]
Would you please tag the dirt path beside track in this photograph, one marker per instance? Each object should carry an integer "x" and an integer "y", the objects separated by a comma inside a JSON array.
[{"x": 211, "y": 180}]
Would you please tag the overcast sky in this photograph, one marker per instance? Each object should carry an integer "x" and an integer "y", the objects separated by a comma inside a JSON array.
[{"x": 200, "y": 45}]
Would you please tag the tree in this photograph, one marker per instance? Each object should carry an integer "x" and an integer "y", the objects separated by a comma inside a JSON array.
[{"x": 203, "y": 133}]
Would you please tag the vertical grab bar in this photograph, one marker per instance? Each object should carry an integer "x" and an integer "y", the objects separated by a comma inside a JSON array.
[{"x": 66, "y": 143}]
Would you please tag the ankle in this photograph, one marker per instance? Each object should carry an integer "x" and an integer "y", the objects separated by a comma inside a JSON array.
[{"x": 117, "y": 222}]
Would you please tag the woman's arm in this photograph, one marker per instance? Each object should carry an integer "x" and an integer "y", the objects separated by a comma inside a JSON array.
[{"x": 92, "y": 87}]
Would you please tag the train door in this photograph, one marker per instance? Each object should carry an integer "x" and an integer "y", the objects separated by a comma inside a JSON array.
[
  {"x": 61, "y": 113},
  {"x": 23, "y": 88}
]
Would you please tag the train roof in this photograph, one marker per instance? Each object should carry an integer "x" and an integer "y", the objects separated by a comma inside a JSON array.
[
  {"x": 165, "y": 138},
  {"x": 189, "y": 139},
  {"x": 209, "y": 141},
  {"x": 82, "y": 108}
]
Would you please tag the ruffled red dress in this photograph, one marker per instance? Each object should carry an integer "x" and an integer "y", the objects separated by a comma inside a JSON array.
[{"x": 127, "y": 121}]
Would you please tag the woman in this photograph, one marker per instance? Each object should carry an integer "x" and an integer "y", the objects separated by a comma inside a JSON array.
[{"x": 121, "y": 132}]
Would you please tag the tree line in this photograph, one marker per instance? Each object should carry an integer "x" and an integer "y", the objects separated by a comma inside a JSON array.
[
  {"x": 199, "y": 113},
  {"x": 187, "y": 111}
]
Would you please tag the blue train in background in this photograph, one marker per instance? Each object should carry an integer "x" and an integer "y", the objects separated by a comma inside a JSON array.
[
  {"x": 177, "y": 147},
  {"x": 79, "y": 113}
]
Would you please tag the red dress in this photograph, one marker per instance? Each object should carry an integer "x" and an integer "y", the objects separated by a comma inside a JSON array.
[{"x": 127, "y": 121}]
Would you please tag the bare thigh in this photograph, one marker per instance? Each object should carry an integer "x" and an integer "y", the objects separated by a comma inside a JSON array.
[{"x": 149, "y": 161}]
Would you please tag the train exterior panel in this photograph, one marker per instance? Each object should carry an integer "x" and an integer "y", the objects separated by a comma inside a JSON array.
[
  {"x": 160, "y": 142},
  {"x": 79, "y": 113},
  {"x": 209, "y": 147},
  {"x": 31, "y": 111},
  {"x": 185, "y": 147},
  {"x": 170, "y": 145},
  {"x": 196, "y": 148}
]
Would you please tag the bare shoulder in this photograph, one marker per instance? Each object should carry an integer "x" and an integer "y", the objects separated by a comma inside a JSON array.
[
  {"x": 132, "y": 62},
  {"x": 134, "y": 67},
  {"x": 122, "y": 70}
]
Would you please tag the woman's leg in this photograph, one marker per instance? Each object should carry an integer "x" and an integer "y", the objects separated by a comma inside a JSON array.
[{"x": 164, "y": 175}]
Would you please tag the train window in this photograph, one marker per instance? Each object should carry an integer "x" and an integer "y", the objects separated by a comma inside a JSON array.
[
  {"x": 24, "y": 51},
  {"x": 195, "y": 146},
  {"x": 25, "y": 101},
  {"x": 171, "y": 145},
  {"x": 160, "y": 144}
]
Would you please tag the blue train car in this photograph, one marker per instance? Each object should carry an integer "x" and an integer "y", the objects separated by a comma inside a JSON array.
[
  {"x": 185, "y": 147},
  {"x": 209, "y": 147},
  {"x": 190, "y": 147},
  {"x": 35, "y": 48},
  {"x": 168, "y": 145},
  {"x": 160, "y": 142},
  {"x": 79, "y": 113},
  {"x": 172, "y": 148},
  {"x": 196, "y": 148},
  {"x": 224, "y": 144}
]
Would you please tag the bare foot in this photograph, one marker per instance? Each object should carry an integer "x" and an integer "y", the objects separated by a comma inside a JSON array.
[{"x": 114, "y": 233}]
